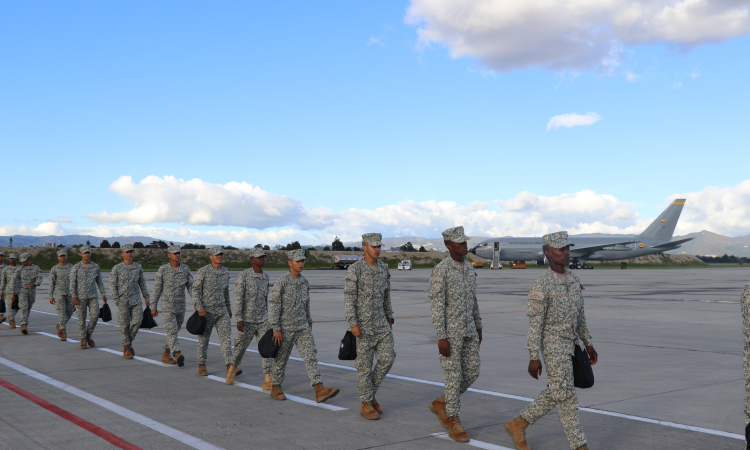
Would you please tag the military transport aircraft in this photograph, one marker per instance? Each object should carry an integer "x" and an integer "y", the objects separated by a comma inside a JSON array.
[{"x": 657, "y": 238}]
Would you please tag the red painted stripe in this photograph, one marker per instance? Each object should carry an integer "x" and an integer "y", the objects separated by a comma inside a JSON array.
[{"x": 86, "y": 425}]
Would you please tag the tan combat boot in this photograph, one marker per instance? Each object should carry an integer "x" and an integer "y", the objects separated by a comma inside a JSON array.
[
  {"x": 438, "y": 408},
  {"x": 323, "y": 393},
  {"x": 130, "y": 347},
  {"x": 63, "y": 335},
  {"x": 2, "y": 317},
  {"x": 368, "y": 412},
  {"x": 179, "y": 358},
  {"x": 277, "y": 393},
  {"x": 516, "y": 428},
  {"x": 267, "y": 382},
  {"x": 377, "y": 406},
  {"x": 166, "y": 358},
  {"x": 202, "y": 370},
  {"x": 456, "y": 431},
  {"x": 239, "y": 371},
  {"x": 231, "y": 372},
  {"x": 585, "y": 447},
  {"x": 12, "y": 323},
  {"x": 90, "y": 341},
  {"x": 24, "y": 329},
  {"x": 126, "y": 352},
  {"x": 83, "y": 343},
  {"x": 59, "y": 332}
]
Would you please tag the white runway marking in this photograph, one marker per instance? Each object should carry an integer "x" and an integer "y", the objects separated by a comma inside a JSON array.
[
  {"x": 293, "y": 398},
  {"x": 54, "y": 336},
  {"x": 139, "y": 358},
  {"x": 473, "y": 443},
  {"x": 159, "y": 427}
]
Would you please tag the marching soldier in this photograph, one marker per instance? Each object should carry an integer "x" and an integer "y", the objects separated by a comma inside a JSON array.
[
  {"x": 28, "y": 277},
  {"x": 289, "y": 316},
  {"x": 9, "y": 288},
  {"x": 172, "y": 280},
  {"x": 125, "y": 280},
  {"x": 557, "y": 324},
  {"x": 210, "y": 295},
  {"x": 2, "y": 267},
  {"x": 745, "y": 305},
  {"x": 59, "y": 292},
  {"x": 251, "y": 312},
  {"x": 367, "y": 301},
  {"x": 85, "y": 277},
  {"x": 458, "y": 325}
]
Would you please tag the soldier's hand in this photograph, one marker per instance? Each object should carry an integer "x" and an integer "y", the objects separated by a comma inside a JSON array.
[
  {"x": 202, "y": 312},
  {"x": 148, "y": 303},
  {"x": 104, "y": 297},
  {"x": 230, "y": 313},
  {"x": 155, "y": 313},
  {"x": 593, "y": 356},
  {"x": 479, "y": 331},
  {"x": 444, "y": 347},
  {"x": 29, "y": 286},
  {"x": 12, "y": 297},
  {"x": 75, "y": 301},
  {"x": 356, "y": 331},
  {"x": 277, "y": 337},
  {"x": 240, "y": 326},
  {"x": 535, "y": 368},
  {"x": 52, "y": 301}
]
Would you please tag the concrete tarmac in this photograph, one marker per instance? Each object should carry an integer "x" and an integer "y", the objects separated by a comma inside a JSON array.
[{"x": 669, "y": 374}]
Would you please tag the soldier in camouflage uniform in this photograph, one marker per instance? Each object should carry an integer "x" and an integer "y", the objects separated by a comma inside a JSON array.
[
  {"x": 210, "y": 295},
  {"x": 85, "y": 277},
  {"x": 28, "y": 277},
  {"x": 745, "y": 305},
  {"x": 557, "y": 324},
  {"x": 125, "y": 280},
  {"x": 251, "y": 312},
  {"x": 8, "y": 287},
  {"x": 458, "y": 325},
  {"x": 172, "y": 280},
  {"x": 59, "y": 292},
  {"x": 2, "y": 267},
  {"x": 289, "y": 316},
  {"x": 367, "y": 302}
]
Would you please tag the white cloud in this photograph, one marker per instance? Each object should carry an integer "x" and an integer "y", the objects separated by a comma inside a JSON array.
[
  {"x": 720, "y": 210},
  {"x": 631, "y": 77},
  {"x": 572, "y": 120},
  {"x": 567, "y": 34},
  {"x": 677, "y": 85},
  {"x": 375, "y": 41},
  {"x": 43, "y": 229},
  {"x": 64, "y": 219}
]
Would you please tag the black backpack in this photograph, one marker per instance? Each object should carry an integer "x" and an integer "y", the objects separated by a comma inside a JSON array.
[
  {"x": 14, "y": 305},
  {"x": 148, "y": 319},
  {"x": 266, "y": 346},
  {"x": 348, "y": 348},
  {"x": 196, "y": 324},
  {"x": 105, "y": 313}
]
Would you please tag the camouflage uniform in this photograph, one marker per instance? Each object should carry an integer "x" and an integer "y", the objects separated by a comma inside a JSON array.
[
  {"x": 367, "y": 302},
  {"x": 289, "y": 312},
  {"x": 170, "y": 286},
  {"x": 556, "y": 325},
  {"x": 24, "y": 277},
  {"x": 745, "y": 305},
  {"x": 8, "y": 287},
  {"x": 251, "y": 308},
  {"x": 211, "y": 292},
  {"x": 455, "y": 316},
  {"x": 59, "y": 289},
  {"x": 83, "y": 283},
  {"x": 2, "y": 267},
  {"x": 124, "y": 284}
]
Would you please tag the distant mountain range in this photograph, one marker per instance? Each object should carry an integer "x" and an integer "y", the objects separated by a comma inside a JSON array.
[{"x": 73, "y": 239}]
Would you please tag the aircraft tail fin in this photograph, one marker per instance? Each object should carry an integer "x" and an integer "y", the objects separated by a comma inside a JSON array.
[{"x": 663, "y": 227}]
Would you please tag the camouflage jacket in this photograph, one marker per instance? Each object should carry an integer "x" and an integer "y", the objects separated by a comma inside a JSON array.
[
  {"x": 367, "y": 297},
  {"x": 453, "y": 300},
  {"x": 556, "y": 316},
  {"x": 289, "y": 304},
  {"x": 8, "y": 280},
  {"x": 125, "y": 282},
  {"x": 211, "y": 290},
  {"x": 251, "y": 297},
  {"x": 59, "y": 281},
  {"x": 745, "y": 306},
  {"x": 84, "y": 280},
  {"x": 170, "y": 286},
  {"x": 28, "y": 275}
]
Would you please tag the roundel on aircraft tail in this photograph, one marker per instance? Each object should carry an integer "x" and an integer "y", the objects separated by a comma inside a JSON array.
[{"x": 641, "y": 245}]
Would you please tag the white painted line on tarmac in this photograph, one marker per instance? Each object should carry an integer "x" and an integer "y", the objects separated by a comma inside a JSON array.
[
  {"x": 139, "y": 358},
  {"x": 54, "y": 336},
  {"x": 473, "y": 442},
  {"x": 293, "y": 398},
  {"x": 159, "y": 427}
]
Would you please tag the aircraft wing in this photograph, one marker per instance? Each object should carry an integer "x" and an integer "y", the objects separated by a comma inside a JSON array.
[
  {"x": 579, "y": 252},
  {"x": 668, "y": 245}
]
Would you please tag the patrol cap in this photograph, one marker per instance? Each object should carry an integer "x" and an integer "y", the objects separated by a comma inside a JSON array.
[
  {"x": 455, "y": 234},
  {"x": 257, "y": 252},
  {"x": 2, "y": 253},
  {"x": 84, "y": 249},
  {"x": 62, "y": 252},
  {"x": 216, "y": 250},
  {"x": 558, "y": 239},
  {"x": 25, "y": 257},
  {"x": 296, "y": 255},
  {"x": 174, "y": 248},
  {"x": 372, "y": 239},
  {"x": 13, "y": 256},
  {"x": 126, "y": 248}
]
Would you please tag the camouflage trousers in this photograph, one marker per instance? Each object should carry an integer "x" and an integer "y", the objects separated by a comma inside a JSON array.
[
  {"x": 560, "y": 391},
  {"x": 92, "y": 306},
  {"x": 129, "y": 317},
  {"x": 305, "y": 343},
  {"x": 65, "y": 308},
  {"x": 172, "y": 325},
  {"x": 242, "y": 341},
  {"x": 9, "y": 312},
  {"x": 221, "y": 321},
  {"x": 26, "y": 300},
  {"x": 368, "y": 347},
  {"x": 746, "y": 364},
  {"x": 461, "y": 370}
]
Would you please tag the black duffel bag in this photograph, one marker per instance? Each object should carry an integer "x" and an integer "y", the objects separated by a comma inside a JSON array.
[
  {"x": 348, "y": 348},
  {"x": 105, "y": 313},
  {"x": 196, "y": 324},
  {"x": 266, "y": 347},
  {"x": 14, "y": 305},
  {"x": 2, "y": 306},
  {"x": 148, "y": 319},
  {"x": 583, "y": 375}
]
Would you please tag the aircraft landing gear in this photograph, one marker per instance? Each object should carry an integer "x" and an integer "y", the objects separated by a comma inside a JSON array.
[
  {"x": 585, "y": 266},
  {"x": 578, "y": 265}
]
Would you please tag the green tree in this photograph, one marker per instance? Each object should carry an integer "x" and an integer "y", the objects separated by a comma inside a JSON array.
[
  {"x": 138, "y": 245},
  {"x": 326, "y": 249},
  {"x": 408, "y": 247},
  {"x": 293, "y": 246},
  {"x": 258, "y": 246},
  {"x": 357, "y": 249},
  {"x": 422, "y": 249},
  {"x": 337, "y": 245},
  {"x": 115, "y": 244},
  {"x": 265, "y": 247},
  {"x": 105, "y": 244}
]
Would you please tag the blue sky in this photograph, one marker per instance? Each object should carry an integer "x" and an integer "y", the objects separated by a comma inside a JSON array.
[{"x": 342, "y": 111}]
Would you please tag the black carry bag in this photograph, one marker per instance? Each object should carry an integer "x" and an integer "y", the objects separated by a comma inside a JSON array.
[
  {"x": 14, "y": 306},
  {"x": 266, "y": 346},
  {"x": 196, "y": 324},
  {"x": 2, "y": 306},
  {"x": 747, "y": 433},
  {"x": 348, "y": 349},
  {"x": 105, "y": 313},
  {"x": 583, "y": 375},
  {"x": 148, "y": 320}
]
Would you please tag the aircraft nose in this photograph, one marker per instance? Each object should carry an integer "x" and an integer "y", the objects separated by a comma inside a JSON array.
[{"x": 473, "y": 249}]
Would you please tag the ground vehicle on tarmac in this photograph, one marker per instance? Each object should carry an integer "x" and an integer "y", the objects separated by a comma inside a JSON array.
[
  {"x": 518, "y": 265},
  {"x": 477, "y": 265},
  {"x": 404, "y": 265},
  {"x": 344, "y": 261}
]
